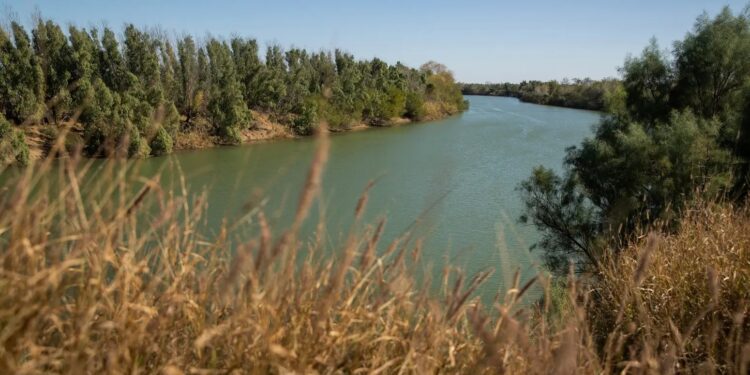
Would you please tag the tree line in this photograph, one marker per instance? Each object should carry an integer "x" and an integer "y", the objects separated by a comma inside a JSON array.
[
  {"x": 136, "y": 93},
  {"x": 595, "y": 95},
  {"x": 680, "y": 129}
]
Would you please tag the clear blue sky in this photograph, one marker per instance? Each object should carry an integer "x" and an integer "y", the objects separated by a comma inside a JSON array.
[{"x": 481, "y": 41}]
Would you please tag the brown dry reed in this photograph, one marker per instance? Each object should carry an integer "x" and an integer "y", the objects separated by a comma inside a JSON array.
[{"x": 104, "y": 271}]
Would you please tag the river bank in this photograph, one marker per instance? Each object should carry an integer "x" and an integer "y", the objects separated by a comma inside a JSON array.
[
  {"x": 264, "y": 128},
  {"x": 541, "y": 101},
  {"x": 585, "y": 94}
]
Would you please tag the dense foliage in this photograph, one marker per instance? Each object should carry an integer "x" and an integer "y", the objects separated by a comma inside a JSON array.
[
  {"x": 578, "y": 93},
  {"x": 13, "y": 147},
  {"x": 680, "y": 129},
  {"x": 136, "y": 93}
]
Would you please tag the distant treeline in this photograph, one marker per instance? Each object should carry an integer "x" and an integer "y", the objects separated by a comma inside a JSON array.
[
  {"x": 576, "y": 93},
  {"x": 137, "y": 92}
]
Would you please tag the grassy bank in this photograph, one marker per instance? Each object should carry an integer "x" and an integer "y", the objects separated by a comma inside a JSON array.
[{"x": 123, "y": 280}]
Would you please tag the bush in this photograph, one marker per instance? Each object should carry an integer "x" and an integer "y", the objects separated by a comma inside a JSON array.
[
  {"x": 232, "y": 135},
  {"x": 380, "y": 108},
  {"x": 162, "y": 143},
  {"x": 137, "y": 146},
  {"x": 414, "y": 106},
  {"x": 306, "y": 122},
  {"x": 13, "y": 147}
]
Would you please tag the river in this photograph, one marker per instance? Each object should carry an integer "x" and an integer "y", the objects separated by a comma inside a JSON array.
[{"x": 457, "y": 176}]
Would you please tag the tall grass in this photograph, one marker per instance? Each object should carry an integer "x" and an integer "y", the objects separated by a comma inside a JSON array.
[
  {"x": 117, "y": 277},
  {"x": 687, "y": 303}
]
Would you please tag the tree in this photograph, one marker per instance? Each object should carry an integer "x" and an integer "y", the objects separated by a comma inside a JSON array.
[
  {"x": 54, "y": 58},
  {"x": 169, "y": 71},
  {"x": 566, "y": 218},
  {"x": 226, "y": 106},
  {"x": 188, "y": 58},
  {"x": 142, "y": 60},
  {"x": 272, "y": 85},
  {"x": 111, "y": 63},
  {"x": 200, "y": 99},
  {"x": 131, "y": 94},
  {"x": 23, "y": 81},
  {"x": 83, "y": 67},
  {"x": 648, "y": 84},
  {"x": 626, "y": 177},
  {"x": 713, "y": 63},
  {"x": 680, "y": 134},
  {"x": 249, "y": 66},
  {"x": 298, "y": 81}
]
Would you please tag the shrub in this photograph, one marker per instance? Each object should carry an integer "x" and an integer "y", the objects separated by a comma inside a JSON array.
[
  {"x": 162, "y": 143},
  {"x": 306, "y": 122},
  {"x": 414, "y": 106},
  {"x": 13, "y": 147}
]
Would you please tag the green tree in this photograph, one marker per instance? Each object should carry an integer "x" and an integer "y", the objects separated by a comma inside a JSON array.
[
  {"x": 648, "y": 82},
  {"x": 272, "y": 84},
  {"x": 111, "y": 63},
  {"x": 249, "y": 67},
  {"x": 188, "y": 78},
  {"x": 226, "y": 106},
  {"x": 83, "y": 67},
  {"x": 23, "y": 80},
  {"x": 142, "y": 60},
  {"x": 169, "y": 72},
  {"x": 54, "y": 57},
  {"x": 713, "y": 63},
  {"x": 567, "y": 220},
  {"x": 681, "y": 133},
  {"x": 298, "y": 81},
  {"x": 625, "y": 177},
  {"x": 161, "y": 143}
]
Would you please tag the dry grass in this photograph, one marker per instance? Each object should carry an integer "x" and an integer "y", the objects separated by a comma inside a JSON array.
[
  {"x": 111, "y": 273},
  {"x": 434, "y": 110},
  {"x": 687, "y": 303}
]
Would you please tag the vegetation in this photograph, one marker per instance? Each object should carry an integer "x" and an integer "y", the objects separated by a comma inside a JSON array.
[
  {"x": 106, "y": 271},
  {"x": 126, "y": 281},
  {"x": 685, "y": 302},
  {"x": 680, "y": 132},
  {"x": 578, "y": 93},
  {"x": 13, "y": 147},
  {"x": 145, "y": 94}
]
